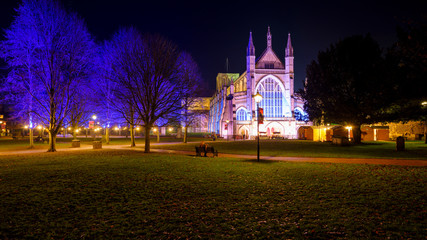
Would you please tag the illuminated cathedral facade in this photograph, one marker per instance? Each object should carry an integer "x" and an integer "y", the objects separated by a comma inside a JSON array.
[{"x": 233, "y": 111}]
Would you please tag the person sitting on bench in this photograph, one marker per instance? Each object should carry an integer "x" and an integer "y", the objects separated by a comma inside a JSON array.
[{"x": 204, "y": 146}]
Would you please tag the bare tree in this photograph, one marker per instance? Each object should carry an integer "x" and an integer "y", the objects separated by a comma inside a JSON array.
[
  {"x": 161, "y": 90},
  {"x": 147, "y": 69},
  {"x": 119, "y": 58},
  {"x": 59, "y": 62},
  {"x": 106, "y": 88},
  {"x": 189, "y": 74}
]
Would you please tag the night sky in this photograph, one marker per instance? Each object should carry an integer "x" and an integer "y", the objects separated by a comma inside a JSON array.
[{"x": 213, "y": 31}]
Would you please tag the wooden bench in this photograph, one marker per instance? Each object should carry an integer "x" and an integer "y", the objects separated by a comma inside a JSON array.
[
  {"x": 200, "y": 150},
  {"x": 39, "y": 139}
]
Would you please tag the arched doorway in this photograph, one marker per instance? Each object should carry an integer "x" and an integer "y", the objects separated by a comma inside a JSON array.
[
  {"x": 244, "y": 132},
  {"x": 275, "y": 130},
  {"x": 305, "y": 133}
]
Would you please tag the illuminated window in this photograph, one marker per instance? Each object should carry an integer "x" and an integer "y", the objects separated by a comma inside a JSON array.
[
  {"x": 242, "y": 115},
  {"x": 273, "y": 98}
]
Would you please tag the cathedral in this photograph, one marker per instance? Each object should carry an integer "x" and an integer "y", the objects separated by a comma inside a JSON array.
[{"x": 233, "y": 110}]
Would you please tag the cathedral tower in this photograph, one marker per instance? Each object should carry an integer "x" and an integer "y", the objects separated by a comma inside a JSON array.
[
  {"x": 250, "y": 71},
  {"x": 289, "y": 67},
  {"x": 289, "y": 56}
]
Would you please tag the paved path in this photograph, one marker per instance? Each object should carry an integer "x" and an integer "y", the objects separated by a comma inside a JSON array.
[{"x": 400, "y": 162}]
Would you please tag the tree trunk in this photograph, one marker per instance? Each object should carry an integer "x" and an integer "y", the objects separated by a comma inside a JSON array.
[
  {"x": 185, "y": 135},
  {"x": 357, "y": 134},
  {"x": 179, "y": 132},
  {"x": 425, "y": 131},
  {"x": 52, "y": 142},
  {"x": 158, "y": 135},
  {"x": 147, "y": 139},
  {"x": 31, "y": 138},
  {"x": 107, "y": 135},
  {"x": 132, "y": 136}
]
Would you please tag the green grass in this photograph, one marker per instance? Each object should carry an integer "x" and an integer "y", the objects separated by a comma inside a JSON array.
[
  {"x": 300, "y": 148},
  {"x": 286, "y": 148},
  {"x": 7, "y": 144},
  {"x": 129, "y": 195}
]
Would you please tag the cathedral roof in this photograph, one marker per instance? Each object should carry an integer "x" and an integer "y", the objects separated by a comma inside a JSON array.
[{"x": 268, "y": 58}]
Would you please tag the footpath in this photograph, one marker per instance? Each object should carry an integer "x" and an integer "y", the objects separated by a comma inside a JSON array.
[{"x": 379, "y": 161}]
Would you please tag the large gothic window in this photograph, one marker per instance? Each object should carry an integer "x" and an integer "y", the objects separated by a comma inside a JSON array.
[
  {"x": 273, "y": 98},
  {"x": 242, "y": 115}
]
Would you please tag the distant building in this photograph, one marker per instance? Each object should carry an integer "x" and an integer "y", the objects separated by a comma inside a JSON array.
[
  {"x": 199, "y": 114},
  {"x": 233, "y": 109}
]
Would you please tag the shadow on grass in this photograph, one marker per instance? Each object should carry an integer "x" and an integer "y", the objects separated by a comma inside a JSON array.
[{"x": 261, "y": 161}]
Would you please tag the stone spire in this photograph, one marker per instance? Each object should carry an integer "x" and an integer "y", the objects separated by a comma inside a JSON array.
[
  {"x": 268, "y": 38},
  {"x": 251, "y": 48},
  {"x": 289, "y": 51}
]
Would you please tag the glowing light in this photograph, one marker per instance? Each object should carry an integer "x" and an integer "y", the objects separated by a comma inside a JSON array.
[
  {"x": 116, "y": 128},
  {"x": 154, "y": 130},
  {"x": 94, "y": 117},
  {"x": 424, "y": 103},
  {"x": 258, "y": 97},
  {"x": 1, "y": 122},
  {"x": 170, "y": 129},
  {"x": 39, "y": 127},
  {"x": 26, "y": 126},
  {"x": 137, "y": 129},
  {"x": 69, "y": 128},
  {"x": 349, "y": 129}
]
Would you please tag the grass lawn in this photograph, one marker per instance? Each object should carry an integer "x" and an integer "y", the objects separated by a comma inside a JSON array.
[
  {"x": 107, "y": 194},
  {"x": 7, "y": 144},
  {"x": 301, "y": 148}
]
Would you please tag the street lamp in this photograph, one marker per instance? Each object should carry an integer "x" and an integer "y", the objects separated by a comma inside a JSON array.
[
  {"x": 94, "y": 127},
  {"x": 258, "y": 99},
  {"x": 424, "y": 105}
]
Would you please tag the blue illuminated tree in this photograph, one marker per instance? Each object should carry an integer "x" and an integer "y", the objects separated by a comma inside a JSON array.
[
  {"x": 147, "y": 69},
  {"x": 108, "y": 108},
  {"x": 189, "y": 74},
  {"x": 119, "y": 61},
  {"x": 49, "y": 51}
]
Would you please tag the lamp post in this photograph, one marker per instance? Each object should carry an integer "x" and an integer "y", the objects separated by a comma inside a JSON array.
[
  {"x": 424, "y": 105},
  {"x": 94, "y": 127},
  {"x": 226, "y": 122},
  {"x": 258, "y": 99}
]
